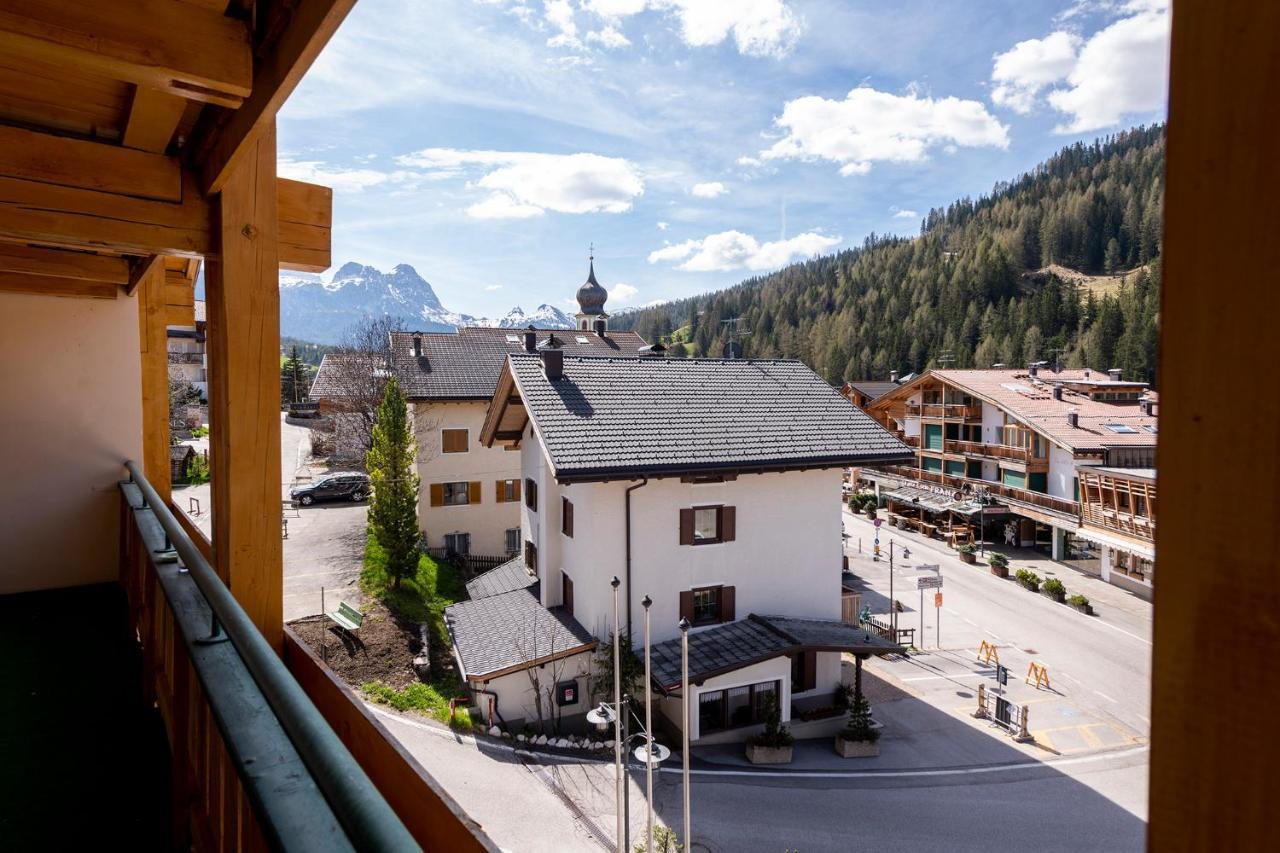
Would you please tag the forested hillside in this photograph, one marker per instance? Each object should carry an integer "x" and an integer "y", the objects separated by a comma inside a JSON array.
[{"x": 969, "y": 291}]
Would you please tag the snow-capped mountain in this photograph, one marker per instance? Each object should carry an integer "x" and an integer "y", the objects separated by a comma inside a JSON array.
[{"x": 321, "y": 311}]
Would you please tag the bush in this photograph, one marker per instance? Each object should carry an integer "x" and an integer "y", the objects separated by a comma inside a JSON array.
[
  {"x": 664, "y": 841},
  {"x": 1027, "y": 578},
  {"x": 1077, "y": 601},
  {"x": 859, "y": 726},
  {"x": 1053, "y": 587},
  {"x": 999, "y": 561},
  {"x": 198, "y": 469},
  {"x": 775, "y": 735},
  {"x": 968, "y": 548},
  {"x": 199, "y": 432}
]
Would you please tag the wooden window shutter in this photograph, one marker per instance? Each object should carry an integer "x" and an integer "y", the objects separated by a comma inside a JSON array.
[
  {"x": 686, "y": 605},
  {"x": 566, "y": 593},
  {"x": 728, "y": 523},
  {"x": 566, "y": 519},
  {"x": 437, "y": 494},
  {"x": 474, "y": 496},
  {"x": 727, "y": 596},
  {"x": 686, "y": 538},
  {"x": 500, "y": 491},
  {"x": 810, "y": 670},
  {"x": 516, "y": 495}
]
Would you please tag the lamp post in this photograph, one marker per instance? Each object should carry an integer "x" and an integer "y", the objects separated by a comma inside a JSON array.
[
  {"x": 617, "y": 704},
  {"x": 648, "y": 727},
  {"x": 684, "y": 751},
  {"x": 893, "y": 607}
]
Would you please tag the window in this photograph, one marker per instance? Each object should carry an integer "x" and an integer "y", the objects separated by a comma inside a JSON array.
[
  {"x": 457, "y": 543},
  {"x": 706, "y": 525},
  {"x": 735, "y": 707},
  {"x": 1121, "y": 429},
  {"x": 453, "y": 440},
  {"x": 513, "y": 540},
  {"x": 513, "y": 339},
  {"x": 457, "y": 494},
  {"x": 932, "y": 437},
  {"x": 531, "y": 556},
  {"x": 804, "y": 671},
  {"x": 530, "y": 494},
  {"x": 582, "y": 340},
  {"x": 1150, "y": 428},
  {"x": 706, "y": 605},
  {"x": 507, "y": 491},
  {"x": 566, "y": 517}
]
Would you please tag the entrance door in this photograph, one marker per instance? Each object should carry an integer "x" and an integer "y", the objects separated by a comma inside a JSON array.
[{"x": 566, "y": 593}]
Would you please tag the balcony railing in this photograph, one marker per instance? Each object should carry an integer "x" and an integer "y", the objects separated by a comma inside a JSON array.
[
  {"x": 1010, "y": 493},
  {"x": 995, "y": 451},
  {"x": 1138, "y": 527},
  {"x": 255, "y": 765},
  {"x": 186, "y": 358},
  {"x": 945, "y": 410}
]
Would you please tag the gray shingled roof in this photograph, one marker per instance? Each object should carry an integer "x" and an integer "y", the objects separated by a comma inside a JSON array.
[
  {"x": 506, "y": 631},
  {"x": 872, "y": 388},
  {"x": 465, "y": 365},
  {"x": 620, "y": 417},
  {"x": 734, "y": 645},
  {"x": 511, "y": 575},
  {"x": 334, "y": 378}
]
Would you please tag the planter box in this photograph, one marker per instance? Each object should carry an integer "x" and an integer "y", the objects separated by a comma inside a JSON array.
[
  {"x": 1030, "y": 587},
  {"x": 857, "y": 748},
  {"x": 1086, "y": 609},
  {"x": 971, "y": 559},
  {"x": 769, "y": 754},
  {"x": 1059, "y": 597},
  {"x": 1000, "y": 571}
]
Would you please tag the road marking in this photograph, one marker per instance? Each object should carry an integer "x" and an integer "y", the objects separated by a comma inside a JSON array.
[
  {"x": 952, "y": 677},
  {"x": 1104, "y": 696},
  {"x": 787, "y": 774},
  {"x": 1144, "y": 719}
]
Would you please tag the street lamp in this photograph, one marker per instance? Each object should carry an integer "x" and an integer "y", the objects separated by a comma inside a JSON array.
[
  {"x": 619, "y": 790},
  {"x": 684, "y": 750},
  {"x": 893, "y": 608}
]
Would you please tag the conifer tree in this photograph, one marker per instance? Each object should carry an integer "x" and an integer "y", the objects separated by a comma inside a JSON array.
[
  {"x": 292, "y": 378},
  {"x": 393, "y": 504}
]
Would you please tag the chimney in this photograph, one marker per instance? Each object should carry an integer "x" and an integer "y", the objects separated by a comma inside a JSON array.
[
  {"x": 654, "y": 350},
  {"x": 1057, "y": 392},
  {"x": 1073, "y": 419},
  {"x": 600, "y": 328},
  {"x": 530, "y": 339},
  {"x": 1145, "y": 406},
  {"x": 732, "y": 349},
  {"x": 893, "y": 376},
  {"x": 1032, "y": 370},
  {"x": 1115, "y": 374},
  {"x": 553, "y": 363},
  {"x": 417, "y": 346}
]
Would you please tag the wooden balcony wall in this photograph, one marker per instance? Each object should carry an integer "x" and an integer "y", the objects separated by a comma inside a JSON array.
[
  {"x": 945, "y": 411},
  {"x": 1024, "y": 496},
  {"x": 1101, "y": 505},
  {"x": 999, "y": 452}
]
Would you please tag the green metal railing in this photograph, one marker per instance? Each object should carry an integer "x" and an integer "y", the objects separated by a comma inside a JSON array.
[{"x": 367, "y": 820}]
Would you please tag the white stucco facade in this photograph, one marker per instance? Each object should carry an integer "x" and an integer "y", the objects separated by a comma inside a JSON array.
[
  {"x": 486, "y": 520},
  {"x": 514, "y": 692},
  {"x": 1062, "y": 473}
]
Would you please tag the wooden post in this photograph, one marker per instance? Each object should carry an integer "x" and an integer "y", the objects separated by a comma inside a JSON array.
[
  {"x": 243, "y": 308},
  {"x": 154, "y": 347}
]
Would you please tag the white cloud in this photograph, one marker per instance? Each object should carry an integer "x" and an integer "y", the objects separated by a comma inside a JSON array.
[
  {"x": 493, "y": 287},
  {"x": 750, "y": 161},
  {"x": 730, "y": 250},
  {"x": 622, "y": 293},
  {"x": 337, "y": 177},
  {"x": 524, "y": 184},
  {"x": 758, "y": 27},
  {"x": 1021, "y": 72},
  {"x": 869, "y": 126},
  {"x": 710, "y": 189},
  {"x": 662, "y": 226},
  {"x": 559, "y": 15},
  {"x": 1122, "y": 69},
  {"x": 609, "y": 37},
  {"x": 901, "y": 213}
]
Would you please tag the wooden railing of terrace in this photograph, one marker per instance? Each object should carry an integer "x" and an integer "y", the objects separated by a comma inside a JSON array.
[{"x": 1026, "y": 496}]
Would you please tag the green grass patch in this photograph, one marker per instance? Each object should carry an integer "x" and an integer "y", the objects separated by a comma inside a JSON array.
[{"x": 421, "y": 598}]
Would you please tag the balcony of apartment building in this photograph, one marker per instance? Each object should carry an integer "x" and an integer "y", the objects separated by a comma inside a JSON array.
[
  {"x": 1119, "y": 500},
  {"x": 944, "y": 411},
  {"x": 1059, "y": 508},
  {"x": 152, "y": 697}
]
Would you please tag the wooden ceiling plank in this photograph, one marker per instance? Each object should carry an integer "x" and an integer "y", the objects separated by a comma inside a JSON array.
[
  {"x": 153, "y": 117},
  {"x": 88, "y": 165},
  {"x": 59, "y": 263},
  {"x": 176, "y": 47},
  {"x": 224, "y": 138},
  {"x": 143, "y": 269},
  {"x": 32, "y": 212},
  {"x": 47, "y": 285}
]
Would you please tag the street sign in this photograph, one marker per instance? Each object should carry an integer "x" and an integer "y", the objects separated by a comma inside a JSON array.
[
  {"x": 876, "y": 522},
  {"x": 937, "y": 599},
  {"x": 1002, "y": 674},
  {"x": 930, "y": 567},
  {"x": 927, "y": 582}
]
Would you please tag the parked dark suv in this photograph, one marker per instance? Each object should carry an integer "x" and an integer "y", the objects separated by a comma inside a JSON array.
[{"x": 334, "y": 487}]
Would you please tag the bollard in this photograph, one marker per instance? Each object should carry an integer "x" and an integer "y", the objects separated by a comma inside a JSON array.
[
  {"x": 981, "y": 713},
  {"x": 1023, "y": 735}
]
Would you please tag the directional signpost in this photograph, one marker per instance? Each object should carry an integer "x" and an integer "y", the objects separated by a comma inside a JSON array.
[{"x": 924, "y": 582}]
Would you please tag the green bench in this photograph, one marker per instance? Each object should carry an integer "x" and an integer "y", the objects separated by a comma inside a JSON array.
[{"x": 348, "y": 618}]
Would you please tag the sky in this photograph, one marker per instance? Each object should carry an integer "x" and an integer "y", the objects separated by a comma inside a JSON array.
[{"x": 695, "y": 143}]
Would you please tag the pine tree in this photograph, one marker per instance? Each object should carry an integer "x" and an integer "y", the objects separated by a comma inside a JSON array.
[
  {"x": 292, "y": 378},
  {"x": 393, "y": 504}
]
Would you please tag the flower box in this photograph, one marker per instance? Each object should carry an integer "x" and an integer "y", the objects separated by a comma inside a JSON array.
[
  {"x": 857, "y": 748},
  {"x": 769, "y": 754}
]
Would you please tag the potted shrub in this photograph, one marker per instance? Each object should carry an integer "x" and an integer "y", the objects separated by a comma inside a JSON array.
[
  {"x": 858, "y": 739},
  {"x": 1055, "y": 589},
  {"x": 999, "y": 565},
  {"x": 775, "y": 744},
  {"x": 1027, "y": 579},
  {"x": 968, "y": 553},
  {"x": 1079, "y": 602}
]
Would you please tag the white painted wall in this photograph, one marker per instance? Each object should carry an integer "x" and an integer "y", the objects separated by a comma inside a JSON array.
[
  {"x": 1062, "y": 472},
  {"x": 72, "y": 414},
  {"x": 992, "y": 423},
  {"x": 516, "y": 697},
  {"x": 487, "y": 521},
  {"x": 778, "y": 668}
]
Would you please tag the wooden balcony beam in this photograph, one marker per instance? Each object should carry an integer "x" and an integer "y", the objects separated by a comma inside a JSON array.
[
  {"x": 183, "y": 49},
  {"x": 59, "y": 263}
]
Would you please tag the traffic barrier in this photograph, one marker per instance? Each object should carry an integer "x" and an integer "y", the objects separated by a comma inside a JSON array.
[
  {"x": 987, "y": 653},
  {"x": 1040, "y": 673}
]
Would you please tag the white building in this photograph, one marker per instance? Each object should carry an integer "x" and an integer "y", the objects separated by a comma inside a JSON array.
[{"x": 712, "y": 486}]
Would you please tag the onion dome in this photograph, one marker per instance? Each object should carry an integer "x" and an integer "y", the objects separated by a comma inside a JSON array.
[{"x": 591, "y": 296}]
